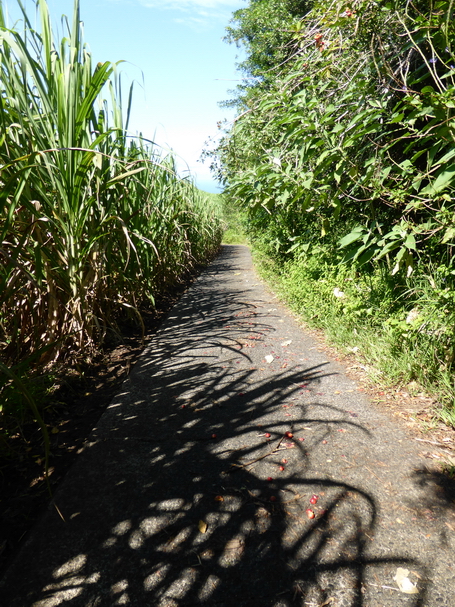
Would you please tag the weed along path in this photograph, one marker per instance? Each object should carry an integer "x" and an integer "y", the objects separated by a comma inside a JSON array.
[{"x": 237, "y": 467}]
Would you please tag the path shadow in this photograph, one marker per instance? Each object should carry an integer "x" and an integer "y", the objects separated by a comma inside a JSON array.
[
  {"x": 173, "y": 502},
  {"x": 436, "y": 501}
]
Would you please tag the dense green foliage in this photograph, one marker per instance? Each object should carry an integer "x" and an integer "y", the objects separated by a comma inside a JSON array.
[
  {"x": 263, "y": 29},
  {"x": 93, "y": 223},
  {"x": 343, "y": 155}
]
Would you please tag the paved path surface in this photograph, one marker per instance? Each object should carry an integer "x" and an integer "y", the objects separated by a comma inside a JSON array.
[{"x": 178, "y": 498}]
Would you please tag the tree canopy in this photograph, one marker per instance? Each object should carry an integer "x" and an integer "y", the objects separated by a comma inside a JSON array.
[
  {"x": 348, "y": 131},
  {"x": 264, "y": 29}
]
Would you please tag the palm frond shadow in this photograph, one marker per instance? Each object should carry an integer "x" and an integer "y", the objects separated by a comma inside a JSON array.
[{"x": 192, "y": 509}]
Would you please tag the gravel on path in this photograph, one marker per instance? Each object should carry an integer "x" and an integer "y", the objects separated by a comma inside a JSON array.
[{"x": 237, "y": 467}]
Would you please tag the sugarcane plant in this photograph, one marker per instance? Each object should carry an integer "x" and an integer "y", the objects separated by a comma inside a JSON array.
[{"x": 92, "y": 220}]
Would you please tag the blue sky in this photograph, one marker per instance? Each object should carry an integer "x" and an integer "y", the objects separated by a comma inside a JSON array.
[{"x": 174, "y": 50}]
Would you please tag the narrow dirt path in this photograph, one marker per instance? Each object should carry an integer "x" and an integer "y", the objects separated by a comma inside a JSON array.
[{"x": 195, "y": 487}]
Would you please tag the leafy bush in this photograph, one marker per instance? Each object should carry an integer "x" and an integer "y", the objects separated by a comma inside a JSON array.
[{"x": 343, "y": 153}]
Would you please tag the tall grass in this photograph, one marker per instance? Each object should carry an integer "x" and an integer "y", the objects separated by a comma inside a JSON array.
[{"x": 92, "y": 221}]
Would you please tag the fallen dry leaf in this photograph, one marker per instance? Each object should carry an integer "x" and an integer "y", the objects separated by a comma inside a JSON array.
[
  {"x": 202, "y": 526},
  {"x": 286, "y": 343},
  {"x": 234, "y": 544}
]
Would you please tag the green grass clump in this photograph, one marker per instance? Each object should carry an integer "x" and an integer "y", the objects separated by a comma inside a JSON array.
[{"x": 234, "y": 219}]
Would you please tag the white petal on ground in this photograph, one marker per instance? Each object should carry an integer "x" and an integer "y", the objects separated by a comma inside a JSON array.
[{"x": 404, "y": 583}]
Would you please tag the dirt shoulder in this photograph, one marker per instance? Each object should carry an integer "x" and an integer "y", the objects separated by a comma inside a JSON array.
[{"x": 414, "y": 409}]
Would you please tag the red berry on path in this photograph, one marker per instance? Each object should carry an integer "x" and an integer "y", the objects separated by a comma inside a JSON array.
[
  {"x": 289, "y": 434},
  {"x": 267, "y": 435},
  {"x": 213, "y": 435},
  {"x": 314, "y": 499},
  {"x": 272, "y": 498},
  {"x": 281, "y": 468},
  {"x": 310, "y": 513},
  {"x": 269, "y": 478}
]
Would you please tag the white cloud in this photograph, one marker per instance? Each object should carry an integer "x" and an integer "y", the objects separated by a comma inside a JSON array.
[
  {"x": 218, "y": 9},
  {"x": 195, "y": 23},
  {"x": 187, "y": 5},
  {"x": 199, "y": 14}
]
